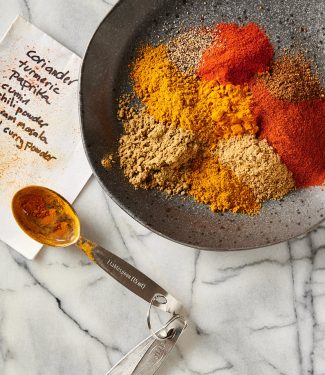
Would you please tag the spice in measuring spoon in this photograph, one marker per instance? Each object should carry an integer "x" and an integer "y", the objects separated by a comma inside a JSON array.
[
  {"x": 45, "y": 217},
  {"x": 48, "y": 218}
]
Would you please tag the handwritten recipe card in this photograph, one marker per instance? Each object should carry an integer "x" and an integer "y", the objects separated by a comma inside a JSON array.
[{"x": 39, "y": 123}]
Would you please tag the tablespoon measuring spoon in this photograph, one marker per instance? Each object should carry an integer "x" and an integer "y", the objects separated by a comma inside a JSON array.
[{"x": 48, "y": 218}]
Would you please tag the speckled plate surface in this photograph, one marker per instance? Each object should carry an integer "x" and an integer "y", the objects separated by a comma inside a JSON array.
[{"x": 104, "y": 73}]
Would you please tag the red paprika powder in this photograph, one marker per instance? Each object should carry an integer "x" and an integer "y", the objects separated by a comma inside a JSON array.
[
  {"x": 296, "y": 131},
  {"x": 237, "y": 54}
]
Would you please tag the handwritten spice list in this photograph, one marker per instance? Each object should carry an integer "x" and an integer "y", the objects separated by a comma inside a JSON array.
[
  {"x": 39, "y": 123},
  {"x": 33, "y": 78}
]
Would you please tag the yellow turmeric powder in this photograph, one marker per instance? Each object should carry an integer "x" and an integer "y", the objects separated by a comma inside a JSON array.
[
  {"x": 214, "y": 184},
  {"x": 211, "y": 110}
]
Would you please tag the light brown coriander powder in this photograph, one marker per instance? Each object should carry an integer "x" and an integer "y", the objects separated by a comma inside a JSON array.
[{"x": 257, "y": 164}]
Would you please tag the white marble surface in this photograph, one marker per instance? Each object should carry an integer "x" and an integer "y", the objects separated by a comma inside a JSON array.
[{"x": 259, "y": 312}]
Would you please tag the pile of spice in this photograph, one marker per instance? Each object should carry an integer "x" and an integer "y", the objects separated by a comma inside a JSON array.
[
  {"x": 186, "y": 50},
  {"x": 289, "y": 106},
  {"x": 291, "y": 78},
  {"x": 208, "y": 109},
  {"x": 238, "y": 53},
  {"x": 296, "y": 131},
  {"x": 154, "y": 155},
  {"x": 221, "y": 121},
  {"x": 259, "y": 167},
  {"x": 214, "y": 184}
]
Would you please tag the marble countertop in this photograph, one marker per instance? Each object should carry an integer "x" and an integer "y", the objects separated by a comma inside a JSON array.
[{"x": 258, "y": 312}]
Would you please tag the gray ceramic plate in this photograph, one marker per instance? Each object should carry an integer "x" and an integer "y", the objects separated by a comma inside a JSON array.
[{"x": 104, "y": 77}]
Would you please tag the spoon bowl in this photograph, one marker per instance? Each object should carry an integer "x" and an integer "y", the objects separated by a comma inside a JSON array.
[{"x": 46, "y": 216}]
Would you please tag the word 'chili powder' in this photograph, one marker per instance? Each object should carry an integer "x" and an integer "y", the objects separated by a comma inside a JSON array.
[
  {"x": 238, "y": 53},
  {"x": 296, "y": 131}
]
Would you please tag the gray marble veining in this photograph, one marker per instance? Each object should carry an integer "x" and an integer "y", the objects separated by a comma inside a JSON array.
[{"x": 258, "y": 312}]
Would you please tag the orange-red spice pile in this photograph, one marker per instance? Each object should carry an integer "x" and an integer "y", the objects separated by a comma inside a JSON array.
[{"x": 237, "y": 54}]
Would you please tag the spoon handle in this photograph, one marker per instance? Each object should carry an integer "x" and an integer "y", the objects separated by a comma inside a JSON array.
[
  {"x": 147, "y": 357},
  {"x": 133, "y": 279}
]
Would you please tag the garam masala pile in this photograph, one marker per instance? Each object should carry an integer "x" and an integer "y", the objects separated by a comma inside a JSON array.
[{"x": 223, "y": 121}]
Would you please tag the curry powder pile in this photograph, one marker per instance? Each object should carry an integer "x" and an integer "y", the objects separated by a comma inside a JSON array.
[{"x": 214, "y": 184}]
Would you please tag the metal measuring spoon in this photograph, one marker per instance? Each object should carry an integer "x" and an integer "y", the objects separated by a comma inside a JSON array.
[
  {"x": 147, "y": 357},
  {"x": 59, "y": 226}
]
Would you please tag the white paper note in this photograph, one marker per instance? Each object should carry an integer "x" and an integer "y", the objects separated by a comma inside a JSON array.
[{"x": 40, "y": 142}]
